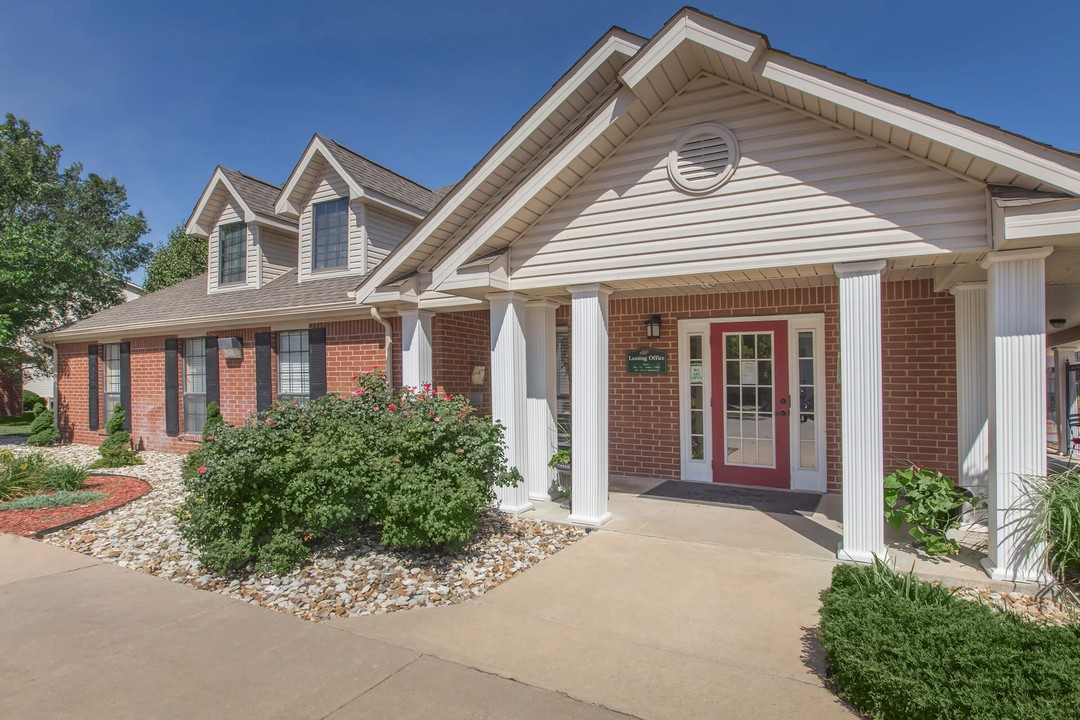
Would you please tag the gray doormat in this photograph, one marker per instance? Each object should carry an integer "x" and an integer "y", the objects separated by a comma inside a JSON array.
[{"x": 771, "y": 501}]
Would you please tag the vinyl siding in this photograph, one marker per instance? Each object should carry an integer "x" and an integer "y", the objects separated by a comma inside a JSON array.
[
  {"x": 384, "y": 233},
  {"x": 278, "y": 253},
  {"x": 804, "y": 192},
  {"x": 231, "y": 213},
  {"x": 330, "y": 186}
]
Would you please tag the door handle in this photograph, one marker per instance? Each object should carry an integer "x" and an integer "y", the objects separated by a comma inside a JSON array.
[{"x": 783, "y": 413}]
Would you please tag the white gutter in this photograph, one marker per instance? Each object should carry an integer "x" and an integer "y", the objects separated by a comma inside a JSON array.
[{"x": 389, "y": 345}]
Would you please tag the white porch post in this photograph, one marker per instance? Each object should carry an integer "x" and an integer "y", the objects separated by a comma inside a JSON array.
[
  {"x": 862, "y": 442},
  {"x": 589, "y": 403},
  {"x": 1017, "y": 332},
  {"x": 972, "y": 375},
  {"x": 415, "y": 348},
  {"x": 540, "y": 369},
  {"x": 508, "y": 394}
]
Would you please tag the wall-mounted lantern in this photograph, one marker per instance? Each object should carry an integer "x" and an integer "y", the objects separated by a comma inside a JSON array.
[
  {"x": 652, "y": 327},
  {"x": 231, "y": 348}
]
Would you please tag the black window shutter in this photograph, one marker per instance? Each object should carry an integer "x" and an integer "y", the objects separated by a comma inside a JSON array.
[
  {"x": 125, "y": 382},
  {"x": 264, "y": 391},
  {"x": 316, "y": 362},
  {"x": 92, "y": 396},
  {"x": 172, "y": 389},
  {"x": 213, "y": 392}
]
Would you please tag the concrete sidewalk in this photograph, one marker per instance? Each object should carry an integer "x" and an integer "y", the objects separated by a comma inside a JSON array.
[{"x": 86, "y": 639}]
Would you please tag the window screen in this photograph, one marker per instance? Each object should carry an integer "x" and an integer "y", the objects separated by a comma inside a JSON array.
[
  {"x": 294, "y": 381},
  {"x": 194, "y": 385}
]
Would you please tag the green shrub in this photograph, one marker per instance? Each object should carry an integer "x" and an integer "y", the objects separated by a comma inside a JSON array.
[
  {"x": 116, "y": 449},
  {"x": 213, "y": 421},
  {"x": 1055, "y": 511},
  {"x": 31, "y": 399},
  {"x": 60, "y": 498},
  {"x": 42, "y": 431},
  {"x": 901, "y": 648},
  {"x": 20, "y": 475},
  {"x": 418, "y": 468},
  {"x": 928, "y": 502},
  {"x": 64, "y": 477}
]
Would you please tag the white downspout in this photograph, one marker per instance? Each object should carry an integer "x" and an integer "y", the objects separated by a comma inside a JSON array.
[{"x": 389, "y": 345}]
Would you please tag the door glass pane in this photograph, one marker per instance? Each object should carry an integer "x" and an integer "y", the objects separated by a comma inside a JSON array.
[
  {"x": 748, "y": 375},
  {"x": 697, "y": 398},
  {"x": 807, "y": 408}
]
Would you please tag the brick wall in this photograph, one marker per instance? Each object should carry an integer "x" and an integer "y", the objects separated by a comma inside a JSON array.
[
  {"x": 919, "y": 390},
  {"x": 11, "y": 389},
  {"x": 459, "y": 342},
  {"x": 351, "y": 346}
]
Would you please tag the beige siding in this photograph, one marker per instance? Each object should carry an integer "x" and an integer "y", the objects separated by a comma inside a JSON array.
[
  {"x": 804, "y": 192},
  {"x": 231, "y": 213},
  {"x": 279, "y": 252},
  {"x": 329, "y": 187},
  {"x": 384, "y": 233}
]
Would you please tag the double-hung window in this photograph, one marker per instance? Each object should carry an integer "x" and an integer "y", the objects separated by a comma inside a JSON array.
[
  {"x": 232, "y": 253},
  {"x": 330, "y": 235},
  {"x": 194, "y": 385},
  {"x": 562, "y": 386},
  {"x": 111, "y": 391},
  {"x": 294, "y": 380}
]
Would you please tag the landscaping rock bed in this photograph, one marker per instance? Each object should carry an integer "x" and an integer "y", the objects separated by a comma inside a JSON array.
[
  {"x": 117, "y": 489},
  {"x": 1029, "y": 607},
  {"x": 342, "y": 580}
]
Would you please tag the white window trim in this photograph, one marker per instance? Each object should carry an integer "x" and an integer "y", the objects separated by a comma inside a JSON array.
[
  {"x": 350, "y": 218},
  {"x": 701, "y": 470}
]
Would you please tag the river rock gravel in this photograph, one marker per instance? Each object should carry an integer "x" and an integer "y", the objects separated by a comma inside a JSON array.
[
  {"x": 1034, "y": 608},
  {"x": 342, "y": 580}
]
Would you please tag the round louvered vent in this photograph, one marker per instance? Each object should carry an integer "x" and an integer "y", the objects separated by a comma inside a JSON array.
[{"x": 703, "y": 158}]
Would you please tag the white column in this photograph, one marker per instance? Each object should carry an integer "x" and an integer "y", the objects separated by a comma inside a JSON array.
[
  {"x": 415, "y": 348},
  {"x": 508, "y": 390},
  {"x": 862, "y": 442},
  {"x": 540, "y": 369},
  {"x": 1016, "y": 312},
  {"x": 589, "y": 403},
  {"x": 972, "y": 375}
]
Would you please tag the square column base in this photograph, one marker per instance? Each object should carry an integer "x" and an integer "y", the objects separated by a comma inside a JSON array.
[
  {"x": 516, "y": 509},
  {"x": 859, "y": 557},
  {"x": 1005, "y": 575},
  {"x": 588, "y": 521}
]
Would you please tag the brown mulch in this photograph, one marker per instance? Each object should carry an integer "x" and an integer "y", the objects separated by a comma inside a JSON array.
[{"x": 30, "y": 523}]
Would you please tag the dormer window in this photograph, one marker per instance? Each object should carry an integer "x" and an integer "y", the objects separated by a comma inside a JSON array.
[
  {"x": 232, "y": 254},
  {"x": 330, "y": 235}
]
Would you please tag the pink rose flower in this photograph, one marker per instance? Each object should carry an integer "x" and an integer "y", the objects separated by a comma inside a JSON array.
[
  {"x": 438, "y": 419},
  {"x": 202, "y": 468}
]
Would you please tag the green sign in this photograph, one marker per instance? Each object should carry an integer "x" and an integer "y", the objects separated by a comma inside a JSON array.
[{"x": 647, "y": 361}]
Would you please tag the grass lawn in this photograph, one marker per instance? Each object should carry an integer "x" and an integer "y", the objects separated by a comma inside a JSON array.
[{"x": 16, "y": 426}]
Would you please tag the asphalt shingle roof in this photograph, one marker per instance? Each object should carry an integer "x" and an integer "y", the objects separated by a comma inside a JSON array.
[
  {"x": 188, "y": 300},
  {"x": 381, "y": 179},
  {"x": 259, "y": 195}
]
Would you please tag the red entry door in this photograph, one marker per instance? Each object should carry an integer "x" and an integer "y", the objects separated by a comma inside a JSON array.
[{"x": 751, "y": 406}]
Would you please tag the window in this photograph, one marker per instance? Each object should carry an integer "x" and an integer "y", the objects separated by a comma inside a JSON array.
[
  {"x": 330, "y": 238},
  {"x": 232, "y": 254},
  {"x": 697, "y": 397},
  {"x": 294, "y": 382},
  {"x": 807, "y": 408},
  {"x": 111, "y": 395},
  {"x": 194, "y": 385},
  {"x": 562, "y": 386}
]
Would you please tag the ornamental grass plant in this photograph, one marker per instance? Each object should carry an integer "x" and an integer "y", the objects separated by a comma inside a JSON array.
[{"x": 417, "y": 467}]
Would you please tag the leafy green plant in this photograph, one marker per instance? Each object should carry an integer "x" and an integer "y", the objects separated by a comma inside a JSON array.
[
  {"x": 31, "y": 399},
  {"x": 64, "y": 477},
  {"x": 213, "y": 421},
  {"x": 116, "y": 449},
  {"x": 928, "y": 502},
  {"x": 416, "y": 466},
  {"x": 20, "y": 475},
  {"x": 42, "y": 431},
  {"x": 60, "y": 498},
  {"x": 1055, "y": 519},
  {"x": 902, "y": 648},
  {"x": 561, "y": 457}
]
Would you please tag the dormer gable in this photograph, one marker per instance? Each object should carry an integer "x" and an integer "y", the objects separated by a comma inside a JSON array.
[
  {"x": 248, "y": 245},
  {"x": 351, "y": 211}
]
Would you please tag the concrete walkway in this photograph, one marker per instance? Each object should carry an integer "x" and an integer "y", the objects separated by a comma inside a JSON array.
[{"x": 86, "y": 639}]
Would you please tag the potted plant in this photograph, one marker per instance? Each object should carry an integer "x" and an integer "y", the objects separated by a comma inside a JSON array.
[{"x": 560, "y": 461}]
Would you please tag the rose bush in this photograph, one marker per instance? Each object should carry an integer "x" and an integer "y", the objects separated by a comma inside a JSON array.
[{"x": 417, "y": 466}]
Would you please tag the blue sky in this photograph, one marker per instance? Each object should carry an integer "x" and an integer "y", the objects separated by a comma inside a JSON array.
[{"x": 157, "y": 94}]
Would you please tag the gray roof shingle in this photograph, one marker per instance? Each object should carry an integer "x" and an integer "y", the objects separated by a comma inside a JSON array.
[
  {"x": 372, "y": 175},
  {"x": 188, "y": 301},
  {"x": 259, "y": 195}
]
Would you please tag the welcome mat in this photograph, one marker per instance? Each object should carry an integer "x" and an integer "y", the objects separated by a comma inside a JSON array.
[{"x": 763, "y": 500}]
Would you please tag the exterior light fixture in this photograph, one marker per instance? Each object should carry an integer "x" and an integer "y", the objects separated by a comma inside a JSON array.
[
  {"x": 652, "y": 327},
  {"x": 1057, "y": 322},
  {"x": 231, "y": 348}
]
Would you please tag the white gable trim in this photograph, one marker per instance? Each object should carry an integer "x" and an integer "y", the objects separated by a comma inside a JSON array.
[
  {"x": 615, "y": 42},
  {"x": 291, "y": 199},
  {"x": 200, "y": 226}
]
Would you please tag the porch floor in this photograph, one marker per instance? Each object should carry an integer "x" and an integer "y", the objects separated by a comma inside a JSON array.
[{"x": 780, "y": 522}]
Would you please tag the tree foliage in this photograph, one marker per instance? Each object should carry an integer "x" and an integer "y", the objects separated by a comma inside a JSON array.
[
  {"x": 67, "y": 241},
  {"x": 182, "y": 257}
]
